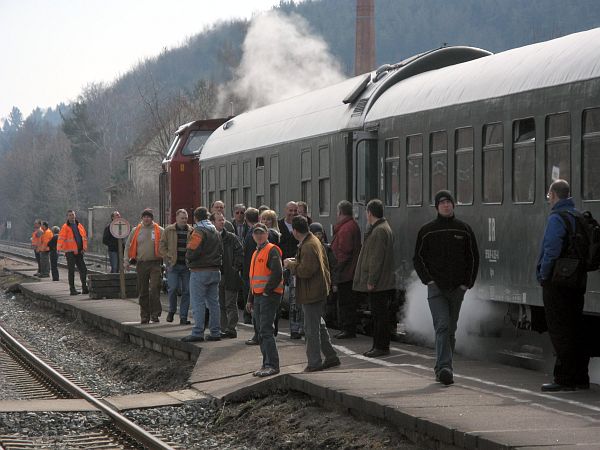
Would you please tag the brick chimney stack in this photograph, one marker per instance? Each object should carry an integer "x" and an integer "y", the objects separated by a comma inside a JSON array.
[{"x": 364, "y": 56}]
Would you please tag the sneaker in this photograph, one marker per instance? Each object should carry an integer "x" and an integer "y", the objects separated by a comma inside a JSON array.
[
  {"x": 294, "y": 335},
  {"x": 170, "y": 317},
  {"x": 213, "y": 338},
  {"x": 255, "y": 374},
  {"x": 267, "y": 372},
  {"x": 192, "y": 338},
  {"x": 183, "y": 322},
  {"x": 251, "y": 342},
  {"x": 154, "y": 320},
  {"x": 85, "y": 290},
  {"x": 74, "y": 292},
  {"x": 445, "y": 376},
  {"x": 328, "y": 364}
]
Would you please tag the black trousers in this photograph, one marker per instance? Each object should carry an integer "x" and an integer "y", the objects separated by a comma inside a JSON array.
[
  {"x": 37, "y": 259},
  {"x": 54, "y": 264},
  {"x": 72, "y": 261},
  {"x": 380, "y": 312},
  {"x": 564, "y": 316},
  {"x": 347, "y": 306}
]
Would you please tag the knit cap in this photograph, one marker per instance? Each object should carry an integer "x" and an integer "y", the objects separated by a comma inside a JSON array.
[{"x": 443, "y": 195}]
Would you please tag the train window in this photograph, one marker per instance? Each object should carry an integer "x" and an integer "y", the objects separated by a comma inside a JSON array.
[
  {"x": 274, "y": 188},
  {"x": 324, "y": 182},
  {"x": 211, "y": 185},
  {"x": 195, "y": 142},
  {"x": 366, "y": 171},
  {"x": 260, "y": 181},
  {"x": 222, "y": 182},
  {"x": 438, "y": 167},
  {"x": 305, "y": 176},
  {"x": 234, "y": 175},
  {"x": 591, "y": 154},
  {"x": 234, "y": 197},
  {"x": 558, "y": 147},
  {"x": 464, "y": 166},
  {"x": 204, "y": 187},
  {"x": 493, "y": 162},
  {"x": 247, "y": 190},
  {"x": 414, "y": 170},
  {"x": 392, "y": 172},
  {"x": 523, "y": 164}
]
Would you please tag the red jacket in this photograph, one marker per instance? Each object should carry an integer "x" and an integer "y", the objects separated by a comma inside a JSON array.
[{"x": 346, "y": 248}]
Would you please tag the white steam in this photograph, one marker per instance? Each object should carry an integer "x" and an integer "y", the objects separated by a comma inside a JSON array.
[
  {"x": 282, "y": 58},
  {"x": 474, "y": 315}
]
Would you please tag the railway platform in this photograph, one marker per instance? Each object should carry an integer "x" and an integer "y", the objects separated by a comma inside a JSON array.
[{"x": 490, "y": 406}]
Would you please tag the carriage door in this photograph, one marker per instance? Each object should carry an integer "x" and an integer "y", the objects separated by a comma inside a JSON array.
[{"x": 366, "y": 173}]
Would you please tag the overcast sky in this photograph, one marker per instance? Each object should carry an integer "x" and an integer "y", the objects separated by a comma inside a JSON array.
[{"x": 50, "y": 49}]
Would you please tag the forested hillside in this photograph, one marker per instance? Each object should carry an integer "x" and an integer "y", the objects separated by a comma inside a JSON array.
[{"x": 68, "y": 156}]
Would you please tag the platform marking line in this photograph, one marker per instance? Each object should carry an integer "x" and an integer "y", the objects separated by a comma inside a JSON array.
[{"x": 384, "y": 363}]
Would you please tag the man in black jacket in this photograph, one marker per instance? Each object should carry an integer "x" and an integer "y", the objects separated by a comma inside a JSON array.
[
  {"x": 112, "y": 243},
  {"x": 288, "y": 243},
  {"x": 446, "y": 260},
  {"x": 231, "y": 282}
]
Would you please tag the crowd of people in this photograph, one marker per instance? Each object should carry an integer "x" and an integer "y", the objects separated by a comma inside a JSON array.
[{"x": 217, "y": 266}]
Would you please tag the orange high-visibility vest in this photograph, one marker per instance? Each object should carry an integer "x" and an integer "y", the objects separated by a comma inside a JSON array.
[
  {"x": 36, "y": 238},
  {"x": 260, "y": 273},
  {"x": 44, "y": 240},
  {"x": 133, "y": 245},
  {"x": 66, "y": 239}
]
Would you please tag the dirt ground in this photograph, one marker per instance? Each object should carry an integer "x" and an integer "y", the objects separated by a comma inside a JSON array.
[{"x": 291, "y": 420}]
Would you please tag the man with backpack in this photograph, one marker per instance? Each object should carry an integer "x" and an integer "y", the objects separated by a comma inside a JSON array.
[{"x": 561, "y": 271}]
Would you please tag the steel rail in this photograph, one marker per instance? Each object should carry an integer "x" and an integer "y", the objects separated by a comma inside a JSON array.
[{"x": 139, "y": 434}]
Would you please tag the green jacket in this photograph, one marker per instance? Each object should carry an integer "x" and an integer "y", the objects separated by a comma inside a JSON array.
[
  {"x": 376, "y": 260},
  {"x": 313, "y": 281}
]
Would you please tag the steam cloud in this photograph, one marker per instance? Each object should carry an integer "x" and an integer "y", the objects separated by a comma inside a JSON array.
[
  {"x": 473, "y": 314},
  {"x": 282, "y": 58}
]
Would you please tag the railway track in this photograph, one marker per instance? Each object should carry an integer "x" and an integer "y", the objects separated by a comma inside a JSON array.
[
  {"x": 34, "y": 379},
  {"x": 97, "y": 263}
]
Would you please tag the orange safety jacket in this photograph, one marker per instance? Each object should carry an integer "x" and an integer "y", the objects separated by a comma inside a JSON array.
[
  {"x": 133, "y": 245},
  {"x": 46, "y": 237},
  {"x": 66, "y": 240},
  {"x": 260, "y": 272},
  {"x": 36, "y": 239}
]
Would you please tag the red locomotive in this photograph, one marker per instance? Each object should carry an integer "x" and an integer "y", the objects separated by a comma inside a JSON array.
[{"x": 179, "y": 181}]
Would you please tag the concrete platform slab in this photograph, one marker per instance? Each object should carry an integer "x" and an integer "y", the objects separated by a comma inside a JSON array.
[{"x": 60, "y": 405}]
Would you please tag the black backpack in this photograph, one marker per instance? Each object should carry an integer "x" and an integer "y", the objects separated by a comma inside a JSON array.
[{"x": 583, "y": 242}]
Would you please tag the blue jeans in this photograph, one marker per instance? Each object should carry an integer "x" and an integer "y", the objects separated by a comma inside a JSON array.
[
  {"x": 204, "y": 293},
  {"x": 179, "y": 276},
  {"x": 316, "y": 334},
  {"x": 445, "y": 307},
  {"x": 113, "y": 258},
  {"x": 265, "y": 309}
]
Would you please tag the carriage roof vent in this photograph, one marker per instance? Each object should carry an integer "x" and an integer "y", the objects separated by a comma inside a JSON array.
[
  {"x": 360, "y": 107},
  {"x": 358, "y": 89}
]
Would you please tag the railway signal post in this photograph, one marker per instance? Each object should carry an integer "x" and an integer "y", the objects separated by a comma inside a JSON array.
[{"x": 120, "y": 229}]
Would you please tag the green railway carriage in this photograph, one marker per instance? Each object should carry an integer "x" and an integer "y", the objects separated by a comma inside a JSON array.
[{"x": 494, "y": 129}]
